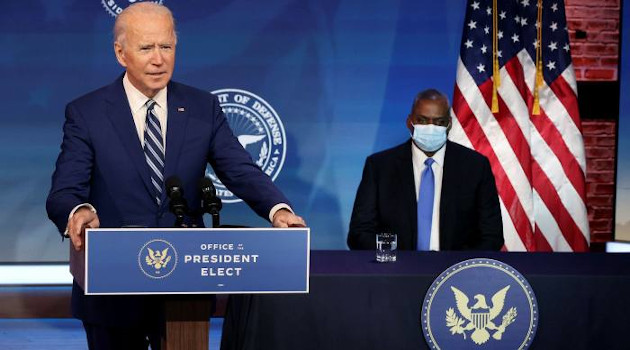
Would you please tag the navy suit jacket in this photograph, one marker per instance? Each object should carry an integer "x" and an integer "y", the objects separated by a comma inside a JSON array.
[
  {"x": 470, "y": 217},
  {"x": 102, "y": 163}
]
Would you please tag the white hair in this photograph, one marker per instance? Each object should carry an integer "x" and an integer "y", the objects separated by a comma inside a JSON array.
[{"x": 148, "y": 7}]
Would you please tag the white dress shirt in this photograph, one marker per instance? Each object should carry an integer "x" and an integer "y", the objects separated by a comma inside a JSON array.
[
  {"x": 418, "y": 157},
  {"x": 137, "y": 104}
]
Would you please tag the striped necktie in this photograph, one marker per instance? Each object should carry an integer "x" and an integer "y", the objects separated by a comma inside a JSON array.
[
  {"x": 154, "y": 150},
  {"x": 425, "y": 205}
]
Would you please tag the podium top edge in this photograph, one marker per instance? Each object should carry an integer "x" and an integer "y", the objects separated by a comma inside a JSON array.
[{"x": 197, "y": 229}]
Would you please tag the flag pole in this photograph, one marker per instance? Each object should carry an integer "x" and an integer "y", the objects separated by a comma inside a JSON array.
[
  {"x": 539, "y": 73},
  {"x": 496, "y": 74}
]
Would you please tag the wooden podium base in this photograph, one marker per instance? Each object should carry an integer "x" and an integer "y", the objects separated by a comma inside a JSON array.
[{"x": 187, "y": 322}]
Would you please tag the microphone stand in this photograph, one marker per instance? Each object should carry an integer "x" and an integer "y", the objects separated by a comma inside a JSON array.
[
  {"x": 213, "y": 209},
  {"x": 179, "y": 221},
  {"x": 177, "y": 202},
  {"x": 186, "y": 316},
  {"x": 179, "y": 208},
  {"x": 210, "y": 203}
]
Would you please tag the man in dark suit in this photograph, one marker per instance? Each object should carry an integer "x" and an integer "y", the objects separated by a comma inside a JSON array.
[
  {"x": 433, "y": 193},
  {"x": 120, "y": 144}
]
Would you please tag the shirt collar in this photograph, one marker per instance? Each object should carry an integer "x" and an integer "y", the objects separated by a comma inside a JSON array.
[
  {"x": 438, "y": 157},
  {"x": 137, "y": 99}
]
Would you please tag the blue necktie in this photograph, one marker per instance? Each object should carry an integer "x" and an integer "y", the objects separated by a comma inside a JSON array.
[
  {"x": 154, "y": 150},
  {"x": 425, "y": 205}
]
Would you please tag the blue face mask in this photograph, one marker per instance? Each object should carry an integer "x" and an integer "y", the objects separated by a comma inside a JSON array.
[{"x": 429, "y": 137}]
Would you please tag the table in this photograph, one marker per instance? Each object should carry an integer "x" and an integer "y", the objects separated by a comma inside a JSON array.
[{"x": 356, "y": 303}]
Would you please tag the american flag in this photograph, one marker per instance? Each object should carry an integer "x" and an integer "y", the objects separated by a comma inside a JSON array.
[{"x": 532, "y": 136}]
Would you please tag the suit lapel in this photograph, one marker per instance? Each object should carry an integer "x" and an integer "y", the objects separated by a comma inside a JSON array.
[
  {"x": 408, "y": 191},
  {"x": 175, "y": 131},
  {"x": 119, "y": 113},
  {"x": 447, "y": 197}
]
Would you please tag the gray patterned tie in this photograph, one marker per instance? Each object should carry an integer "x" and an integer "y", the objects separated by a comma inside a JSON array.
[{"x": 154, "y": 150}]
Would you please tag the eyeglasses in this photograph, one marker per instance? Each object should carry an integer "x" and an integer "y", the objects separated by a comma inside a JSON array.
[{"x": 439, "y": 121}]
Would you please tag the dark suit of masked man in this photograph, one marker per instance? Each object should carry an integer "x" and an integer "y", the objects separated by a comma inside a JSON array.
[{"x": 433, "y": 193}]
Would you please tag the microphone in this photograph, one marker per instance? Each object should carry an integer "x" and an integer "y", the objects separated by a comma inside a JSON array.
[
  {"x": 210, "y": 203},
  {"x": 177, "y": 205}
]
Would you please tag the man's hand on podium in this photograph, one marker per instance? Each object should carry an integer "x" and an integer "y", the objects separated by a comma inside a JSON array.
[
  {"x": 83, "y": 218},
  {"x": 284, "y": 218}
]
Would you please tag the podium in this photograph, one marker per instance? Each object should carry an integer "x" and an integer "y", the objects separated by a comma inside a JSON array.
[
  {"x": 186, "y": 265},
  {"x": 356, "y": 303},
  {"x": 187, "y": 323}
]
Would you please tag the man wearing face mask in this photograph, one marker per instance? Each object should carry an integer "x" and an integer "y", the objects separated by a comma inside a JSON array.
[{"x": 433, "y": 193}]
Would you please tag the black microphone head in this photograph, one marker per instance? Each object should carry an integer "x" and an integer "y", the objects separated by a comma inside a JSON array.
[
  {"x": 174, "y": 188},
  {"x": 206, "y": 186},
  {"x": 209, "y": 200},
  {"x": 175, "y": 193},
  {"x": 173, "y": 182}
]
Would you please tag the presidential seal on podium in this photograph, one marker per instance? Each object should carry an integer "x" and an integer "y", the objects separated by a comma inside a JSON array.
[
  {"x": 481, "y": 304},
  {"x": 157, "y": 259}
]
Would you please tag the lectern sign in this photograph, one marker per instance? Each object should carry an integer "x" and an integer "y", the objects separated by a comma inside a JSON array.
[{"x": 190, "y": 261}]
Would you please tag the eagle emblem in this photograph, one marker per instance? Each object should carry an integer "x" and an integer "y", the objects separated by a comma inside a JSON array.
[
  {"x": 246, "y": 140},
  {"x": 480, "y": 316},
  {"x": 158, "y": 259}
]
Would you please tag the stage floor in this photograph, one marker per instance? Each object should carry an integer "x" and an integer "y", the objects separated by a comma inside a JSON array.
[{"x": 62, "y": 333}]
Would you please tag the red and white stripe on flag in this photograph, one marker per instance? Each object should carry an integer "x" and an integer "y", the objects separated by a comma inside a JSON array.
[{"x": 537, "y": 159}]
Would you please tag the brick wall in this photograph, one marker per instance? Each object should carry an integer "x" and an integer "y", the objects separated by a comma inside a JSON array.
[
  {"x": 599, "y": 142},
  {"x": 594, "y": 33}
]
